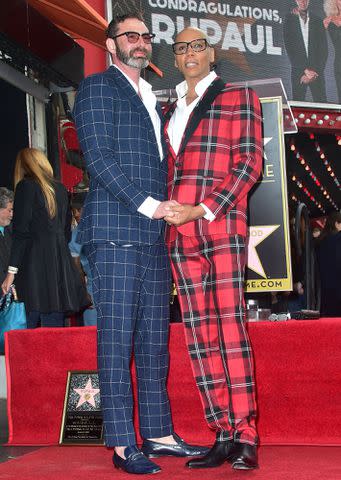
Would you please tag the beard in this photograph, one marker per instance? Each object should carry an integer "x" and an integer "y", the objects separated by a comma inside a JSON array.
[{"x": 128, "y": 58}]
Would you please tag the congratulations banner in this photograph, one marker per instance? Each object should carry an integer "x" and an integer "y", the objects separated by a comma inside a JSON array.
[{"x": 253, "y": 40}]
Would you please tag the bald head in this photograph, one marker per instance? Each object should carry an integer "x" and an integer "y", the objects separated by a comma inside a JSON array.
[{"x": 196, "y": 31}]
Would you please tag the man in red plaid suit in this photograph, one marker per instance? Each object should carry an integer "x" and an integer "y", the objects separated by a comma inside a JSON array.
[{"x": 214, "y": 132}]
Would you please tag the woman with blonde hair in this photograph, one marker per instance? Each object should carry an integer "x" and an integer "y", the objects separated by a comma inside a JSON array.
[
  {"x": 40, "y": 262},
  {"x": 332, "y": 23}
]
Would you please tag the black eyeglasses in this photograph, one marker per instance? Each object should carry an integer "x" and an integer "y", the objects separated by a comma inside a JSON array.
[
  {"x": 133, "y": 37},
  {"x": 198, "y": 45}
]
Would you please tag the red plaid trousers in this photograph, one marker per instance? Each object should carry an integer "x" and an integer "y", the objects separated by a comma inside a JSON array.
[{"x": 209, "y": 276}]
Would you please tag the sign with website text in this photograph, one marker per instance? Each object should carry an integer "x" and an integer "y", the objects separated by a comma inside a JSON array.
[{"x": 268, "y": 253}]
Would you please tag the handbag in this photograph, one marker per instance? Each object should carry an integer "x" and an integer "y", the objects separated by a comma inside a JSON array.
[{"x": 12, "y": 315}]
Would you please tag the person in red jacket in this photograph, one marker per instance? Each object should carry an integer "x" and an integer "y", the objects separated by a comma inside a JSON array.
[{"x": 214, "y": 133}]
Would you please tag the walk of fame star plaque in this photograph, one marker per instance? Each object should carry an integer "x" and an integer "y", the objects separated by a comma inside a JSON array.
[
  {"x": 82, "y": 422},
  {"x": 268, "y": 249}
]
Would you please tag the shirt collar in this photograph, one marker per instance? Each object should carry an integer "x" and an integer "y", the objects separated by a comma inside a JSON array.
[
  {"x": 143, "y": 85},
  {"x": 306, "y": 19},
  {"x": 2, "y": 230},
  {"x": 200, "y": 88}
]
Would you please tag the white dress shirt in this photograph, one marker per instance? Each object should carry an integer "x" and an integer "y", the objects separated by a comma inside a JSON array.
[
  {"x": 179, "y": 119},
  {"x": 178, "y": 122}
]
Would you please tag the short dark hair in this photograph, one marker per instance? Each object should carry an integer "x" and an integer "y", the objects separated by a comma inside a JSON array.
[
  {"x": 6, "y": 196},
  {"x": 112, "y": 29}
]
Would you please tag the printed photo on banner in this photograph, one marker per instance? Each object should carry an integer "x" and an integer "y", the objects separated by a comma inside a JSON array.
[{"x": 298, "y": 41}]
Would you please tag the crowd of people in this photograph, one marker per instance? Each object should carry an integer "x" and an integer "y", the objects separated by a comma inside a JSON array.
[
  {"x": 39, "y": 260},
  {"x": 131, "y": 234}
]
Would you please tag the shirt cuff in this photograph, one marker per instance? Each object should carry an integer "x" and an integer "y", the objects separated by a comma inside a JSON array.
[
  {"x": 13, "y": 270},
  {"x": 208, "y": 215},
  {"x": 148, "y": 207}
]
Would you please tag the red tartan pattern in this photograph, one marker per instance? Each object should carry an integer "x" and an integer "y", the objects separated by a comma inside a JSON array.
[
  {"x": 209, "y": 275},
  {"x": 218, "y": 165},
  {"x": 221, "y": 162}
]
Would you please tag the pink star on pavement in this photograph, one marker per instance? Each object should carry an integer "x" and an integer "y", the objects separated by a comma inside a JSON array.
[{"x": 87, "y": 394}]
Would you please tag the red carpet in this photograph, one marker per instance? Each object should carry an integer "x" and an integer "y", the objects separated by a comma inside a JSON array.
[
  {"x": 298, "y": 371},
  {"x": 75, "y": 463}
]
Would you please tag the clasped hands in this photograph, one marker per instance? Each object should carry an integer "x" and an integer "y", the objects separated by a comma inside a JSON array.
[
  {"x": 178, "y": 214},
  {"x": 308, "y": 76}
]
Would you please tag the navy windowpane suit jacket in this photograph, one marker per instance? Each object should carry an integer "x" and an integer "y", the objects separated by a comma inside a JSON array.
[{"x": 118, "y": 141}]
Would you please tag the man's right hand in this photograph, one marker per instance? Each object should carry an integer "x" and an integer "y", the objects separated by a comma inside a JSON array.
[
  {"x": 309, "y": 76},
  {"x": 164, "y": 209}
]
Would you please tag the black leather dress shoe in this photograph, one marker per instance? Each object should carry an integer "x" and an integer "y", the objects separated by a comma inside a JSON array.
[
  {"x": 180, "y": 449},
  {"x": 135, "y": 462},
  {"x": 243, "y": 456},
  {"x": 218, "y": 454}
]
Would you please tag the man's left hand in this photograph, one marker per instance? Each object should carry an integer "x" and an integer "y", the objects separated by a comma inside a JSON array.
[{"x": 184, "y": 213}]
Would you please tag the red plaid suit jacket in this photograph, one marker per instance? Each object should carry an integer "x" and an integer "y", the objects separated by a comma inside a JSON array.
[{"x": 219, "y": 160}]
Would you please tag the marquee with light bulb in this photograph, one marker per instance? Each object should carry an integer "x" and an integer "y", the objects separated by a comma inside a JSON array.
[{"x": 314, "y": 158}]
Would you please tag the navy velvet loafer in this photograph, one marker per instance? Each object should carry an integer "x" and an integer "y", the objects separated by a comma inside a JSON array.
[
  {"x": 135, "y": 462},
  {"x": 180, "y": 449}
]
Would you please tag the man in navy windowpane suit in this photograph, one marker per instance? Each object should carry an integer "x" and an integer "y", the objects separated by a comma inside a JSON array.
[{"x": 119, "y": 128}]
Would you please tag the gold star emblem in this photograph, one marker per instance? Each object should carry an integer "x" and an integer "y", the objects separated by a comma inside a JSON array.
[{"x": 257, "y": 234}]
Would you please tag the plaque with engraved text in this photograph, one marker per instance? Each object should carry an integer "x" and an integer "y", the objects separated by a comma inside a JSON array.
[{"x": 82, "y": 422}]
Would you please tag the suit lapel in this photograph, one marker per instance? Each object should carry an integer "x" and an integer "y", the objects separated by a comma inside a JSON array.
[
  {"x": 201, "y": 108},
  {"x": 299, "y": 36},
  {"x": 133, "y": 97},
  {"x": 129, "y": 91}
]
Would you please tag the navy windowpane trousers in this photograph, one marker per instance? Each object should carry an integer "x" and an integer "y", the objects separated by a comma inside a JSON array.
[{"x": 131, "y": 296}]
